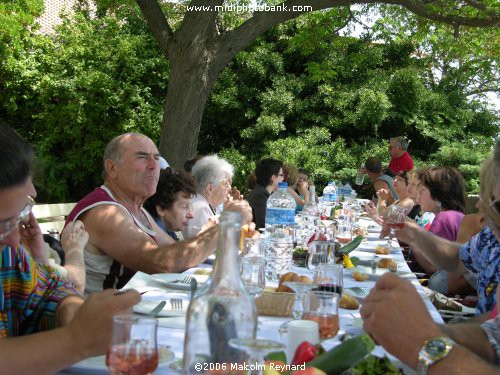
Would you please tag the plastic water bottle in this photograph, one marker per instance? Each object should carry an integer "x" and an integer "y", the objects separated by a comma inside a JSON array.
[
  {"x": 280, "y": 232},
  {"x": 330, "y": 193},
  {"x": 348, "y": 191},
  {"x": 280, "y": 208}
]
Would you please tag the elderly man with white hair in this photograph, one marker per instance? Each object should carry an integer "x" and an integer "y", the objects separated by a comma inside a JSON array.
[{"x": 213, "y": 177}]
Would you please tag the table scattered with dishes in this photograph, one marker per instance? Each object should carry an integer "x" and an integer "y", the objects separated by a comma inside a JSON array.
[{"x": 174, "y": 289}]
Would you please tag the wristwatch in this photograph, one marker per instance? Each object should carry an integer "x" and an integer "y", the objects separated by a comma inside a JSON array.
[{"x": 433, "y": 351}]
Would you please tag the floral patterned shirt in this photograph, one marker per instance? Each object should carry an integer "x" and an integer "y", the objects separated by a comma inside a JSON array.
[{"x": 481, "y": 255}]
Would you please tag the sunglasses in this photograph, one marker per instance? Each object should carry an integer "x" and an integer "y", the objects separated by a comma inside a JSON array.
[{"x": 8, "y": 226}]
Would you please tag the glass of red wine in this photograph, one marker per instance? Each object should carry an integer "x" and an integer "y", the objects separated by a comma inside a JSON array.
[
  {"x": 133, "y": 347},
  {"x": 329, "y": 278},
  {"x": 394, "y": 219}
]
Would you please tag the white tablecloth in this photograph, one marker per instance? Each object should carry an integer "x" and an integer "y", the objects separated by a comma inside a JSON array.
[{"x": 171, "y": 330}]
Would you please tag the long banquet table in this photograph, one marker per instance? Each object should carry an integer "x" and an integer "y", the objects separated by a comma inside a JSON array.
[{"x": 171, "y": 329}]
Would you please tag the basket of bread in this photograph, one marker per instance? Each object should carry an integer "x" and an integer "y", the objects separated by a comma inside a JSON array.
[{"x": 279, "y": 301}]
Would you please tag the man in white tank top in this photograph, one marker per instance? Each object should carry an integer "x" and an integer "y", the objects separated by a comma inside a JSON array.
[{"x": 123, "y": 238}]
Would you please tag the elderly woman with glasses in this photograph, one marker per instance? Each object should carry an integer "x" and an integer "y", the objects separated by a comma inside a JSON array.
[{"x": 213, "y": 177}]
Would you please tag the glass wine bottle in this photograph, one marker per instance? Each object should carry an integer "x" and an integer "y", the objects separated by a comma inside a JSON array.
[{"x": 221, "y": 310}]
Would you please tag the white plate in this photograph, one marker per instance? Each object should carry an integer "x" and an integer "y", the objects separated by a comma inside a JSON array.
[
  {"x": 97, "y": 365},
  {"x": 169, "y": 279}
]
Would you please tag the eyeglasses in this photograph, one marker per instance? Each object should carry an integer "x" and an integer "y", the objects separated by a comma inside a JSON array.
[
  {"x": 8, "y": 226},
  {"x": 495, "y": 206}
]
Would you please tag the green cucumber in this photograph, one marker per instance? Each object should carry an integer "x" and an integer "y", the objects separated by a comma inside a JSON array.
[
  {"x": 344, "y": 356},
  {"x": 352, "y": 245}
]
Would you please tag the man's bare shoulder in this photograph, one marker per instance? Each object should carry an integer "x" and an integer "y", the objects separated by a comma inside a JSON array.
[{"x": 105, "y": 215}]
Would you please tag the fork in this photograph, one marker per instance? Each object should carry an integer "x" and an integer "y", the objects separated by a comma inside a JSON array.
[
  {"x": 176, "y": 303},
  {"x": 185, "y": 280},
  {"x": 393, "y": 266},
  {"x": 357, "y": 290}
]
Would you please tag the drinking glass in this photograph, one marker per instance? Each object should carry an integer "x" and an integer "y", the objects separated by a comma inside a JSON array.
[
  {"x": 360, "y": 178},
  {"x": 133, "y": 345},
  {"x": 256, "y": 349},
  {"x": 329, "y": 278},
  {"x": 253, "y": 247},
  {"x": 319, "y": 252},
  {"x": 394, "y": 219},
  {"x": 344, "y": 233},
  {"x": 323, "y": 308},
  {"x": 253, "y": 274}
]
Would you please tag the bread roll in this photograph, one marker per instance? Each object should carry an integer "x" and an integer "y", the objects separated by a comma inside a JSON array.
[
  {"x": 348, "y": 302},
  {"x": 385, "y": 263},
  {"x": 359, "y": 276},
  {"x": 382, "y": 250}
]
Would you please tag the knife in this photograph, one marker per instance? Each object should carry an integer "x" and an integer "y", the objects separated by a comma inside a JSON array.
[{"x": 157, "y": 309}]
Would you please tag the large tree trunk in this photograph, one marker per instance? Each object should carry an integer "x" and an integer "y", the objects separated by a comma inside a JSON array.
[{"x": 191, "y": 80}]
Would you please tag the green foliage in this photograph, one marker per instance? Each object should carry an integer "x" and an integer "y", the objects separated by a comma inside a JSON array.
[
  {"x": 301, "y": 93},
  {"x": 339, "y": 102},
  {"x": 96, "y": 79}
]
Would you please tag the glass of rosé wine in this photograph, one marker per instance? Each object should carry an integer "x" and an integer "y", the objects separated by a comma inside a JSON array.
[
  {"x": 394, "y": 219},
  {"x": 133, "y": 347},
  {"x": 323, "y": 308}
]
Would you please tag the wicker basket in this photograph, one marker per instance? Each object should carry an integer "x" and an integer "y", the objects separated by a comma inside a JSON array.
[{"x": 275, "y": 303}]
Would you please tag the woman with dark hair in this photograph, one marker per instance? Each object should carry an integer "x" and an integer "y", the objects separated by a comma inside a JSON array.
[
  {"x": 171, "y": 206},
  {"x": 441, "y": 191}
]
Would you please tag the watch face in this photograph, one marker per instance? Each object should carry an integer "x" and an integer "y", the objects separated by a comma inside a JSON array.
[{"x": 436, "y": 347}]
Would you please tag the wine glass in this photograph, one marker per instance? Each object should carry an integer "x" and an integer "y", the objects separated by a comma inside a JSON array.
[
  {"x": 344, "y": 233},
  {"x": 394, "y": 219},
  {"x": 133, "y": 345},
  {"x": 253, "y": 274},
  {"x": 300, "y": 288},
  {"x": 256, "y": 349},
  {"x": 329, "y": 278}
]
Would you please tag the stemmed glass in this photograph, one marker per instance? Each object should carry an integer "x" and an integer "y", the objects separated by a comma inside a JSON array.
[
  {"x": 300, "y": 289},
  {"x": 256, "y": 349},
  {"x": 394, "y": 219},
  {"x": 253, "y": 274},
  {"x": 133, "y": 345},
  {"x": 344, "y": 233}
]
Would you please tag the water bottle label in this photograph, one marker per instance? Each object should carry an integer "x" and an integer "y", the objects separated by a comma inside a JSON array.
[
  {"x": 279, "y": 216},
  {"x": 329, "y": 197}
]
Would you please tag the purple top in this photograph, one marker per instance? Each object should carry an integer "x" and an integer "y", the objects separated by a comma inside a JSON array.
[{"x": 446, "y": 224}]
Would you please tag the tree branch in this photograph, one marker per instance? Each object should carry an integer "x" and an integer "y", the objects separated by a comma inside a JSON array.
[
  {"x": 232, "y": 42},
  {"x": 157, "y": 23}
]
